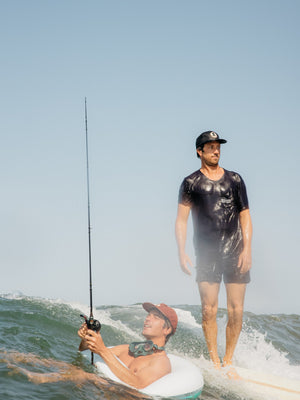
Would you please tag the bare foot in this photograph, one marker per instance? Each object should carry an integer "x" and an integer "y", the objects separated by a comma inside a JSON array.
[
  {"x": 232, "y": 374},
  {"x": 230, "y": 371},
  {"x": 217, "y": 364}
]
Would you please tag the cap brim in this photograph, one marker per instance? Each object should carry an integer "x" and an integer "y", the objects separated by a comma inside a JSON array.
[
  {"x": 149, "y": 306},
  {"x": 221, "y": 141}
]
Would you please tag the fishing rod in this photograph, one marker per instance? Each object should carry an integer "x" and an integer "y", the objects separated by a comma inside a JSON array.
[{"x": 91, "y": 322}]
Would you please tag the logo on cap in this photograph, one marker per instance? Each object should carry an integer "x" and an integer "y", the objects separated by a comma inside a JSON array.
[{"x": 213, "y": 134}]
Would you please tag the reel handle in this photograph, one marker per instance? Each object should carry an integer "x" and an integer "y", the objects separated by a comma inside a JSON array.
[{"x": 92, "y": 323}]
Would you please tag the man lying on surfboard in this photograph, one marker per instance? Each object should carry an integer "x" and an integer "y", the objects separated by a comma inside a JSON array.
[{"x": 140, "y": 363}]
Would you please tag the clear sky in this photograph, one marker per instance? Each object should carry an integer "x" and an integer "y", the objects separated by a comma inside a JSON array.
[{"x": 156, "y": 74}]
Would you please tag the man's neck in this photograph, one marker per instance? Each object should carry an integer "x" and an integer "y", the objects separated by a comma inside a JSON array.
[
  {"x": 160, "y": 342},
  {"x": 214, "y": 172}
]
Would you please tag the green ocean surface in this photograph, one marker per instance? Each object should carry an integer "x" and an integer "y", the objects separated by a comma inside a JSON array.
[{"x": 38, "y": 337}]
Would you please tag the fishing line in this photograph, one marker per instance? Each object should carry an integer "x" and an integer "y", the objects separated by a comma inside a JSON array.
[{"x": 91, "y": 322}]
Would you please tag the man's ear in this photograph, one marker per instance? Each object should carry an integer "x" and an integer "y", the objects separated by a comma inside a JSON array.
[
  {"x": 168, "y": 330},
  {"x": 199, "y": 152}
]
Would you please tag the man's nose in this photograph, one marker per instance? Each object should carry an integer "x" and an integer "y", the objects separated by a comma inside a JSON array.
[{"x": 148, "y": 317}]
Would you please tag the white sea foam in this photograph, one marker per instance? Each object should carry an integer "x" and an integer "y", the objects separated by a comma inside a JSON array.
[
  {"x": 186, "y": 318},
  {"x": 255, "y": 352},
  {"x": 104, "y": 316}
]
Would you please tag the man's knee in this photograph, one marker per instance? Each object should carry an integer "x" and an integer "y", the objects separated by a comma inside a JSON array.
[
  {"x": 209, "y": 312},
  {"x": 235, "y": 314}
]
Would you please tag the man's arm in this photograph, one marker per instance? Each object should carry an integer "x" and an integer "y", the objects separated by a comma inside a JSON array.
[
  {"x": 246, "y": 226},
  {"x": 181, "y": 232},
  {"x": 156, "y": 368}
]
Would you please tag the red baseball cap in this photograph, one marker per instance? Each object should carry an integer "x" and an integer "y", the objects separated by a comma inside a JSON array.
[{"x": 166, "y": 311}]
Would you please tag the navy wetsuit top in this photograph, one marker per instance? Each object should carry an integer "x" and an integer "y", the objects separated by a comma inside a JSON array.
[{"x": 215, "y": 207}]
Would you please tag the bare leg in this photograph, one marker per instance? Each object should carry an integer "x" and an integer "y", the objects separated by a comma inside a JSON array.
[
  {"x": 209, "y": 300},
  {"x": 235, "y": 307},
  {"x": 66, "y": 372}
]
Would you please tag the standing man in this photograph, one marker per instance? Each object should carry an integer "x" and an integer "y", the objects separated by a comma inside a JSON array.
[{"x": 222, "y": 240}]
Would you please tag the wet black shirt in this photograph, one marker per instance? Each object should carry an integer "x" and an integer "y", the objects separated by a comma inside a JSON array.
[{"x": 215, "y": 207}]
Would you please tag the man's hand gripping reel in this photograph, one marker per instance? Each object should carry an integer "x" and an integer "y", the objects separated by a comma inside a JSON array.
[{"x": 92, "y": 323}]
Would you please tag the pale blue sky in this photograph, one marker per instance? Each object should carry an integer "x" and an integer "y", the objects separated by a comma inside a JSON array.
[{"x": 156, "y": 74}]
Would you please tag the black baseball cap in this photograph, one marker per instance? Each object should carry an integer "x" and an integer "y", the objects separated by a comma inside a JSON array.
[{"x": 208, "y": 136}]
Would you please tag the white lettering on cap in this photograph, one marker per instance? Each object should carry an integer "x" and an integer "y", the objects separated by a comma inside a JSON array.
[{"x": 213, "y": 134}]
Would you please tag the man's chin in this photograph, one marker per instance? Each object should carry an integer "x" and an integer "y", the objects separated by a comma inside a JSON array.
[
  {"x": 213, "y": 164},
  {"x": 147, "y": 337}
]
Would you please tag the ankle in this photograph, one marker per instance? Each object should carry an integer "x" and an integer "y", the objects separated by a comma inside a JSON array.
[
  {"x": 226, "y": 362},
  {"x": 216, "y": 361}
]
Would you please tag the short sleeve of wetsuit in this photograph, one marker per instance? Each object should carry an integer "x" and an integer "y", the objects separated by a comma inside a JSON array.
[
  {"x": 241, "y": 194},
  {"x": 185, "y": 195}
]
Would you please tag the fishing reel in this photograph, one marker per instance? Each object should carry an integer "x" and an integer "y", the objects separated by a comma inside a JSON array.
[{"x": 92, "y": 323}]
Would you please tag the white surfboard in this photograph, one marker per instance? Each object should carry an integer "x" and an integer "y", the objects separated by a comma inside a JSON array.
[
  {"x": 274, "y": 386},
  {"x": 184, "y": 382}
]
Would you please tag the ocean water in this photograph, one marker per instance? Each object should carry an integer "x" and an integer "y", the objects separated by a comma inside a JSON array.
[{"x": 38, "y": 339}]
